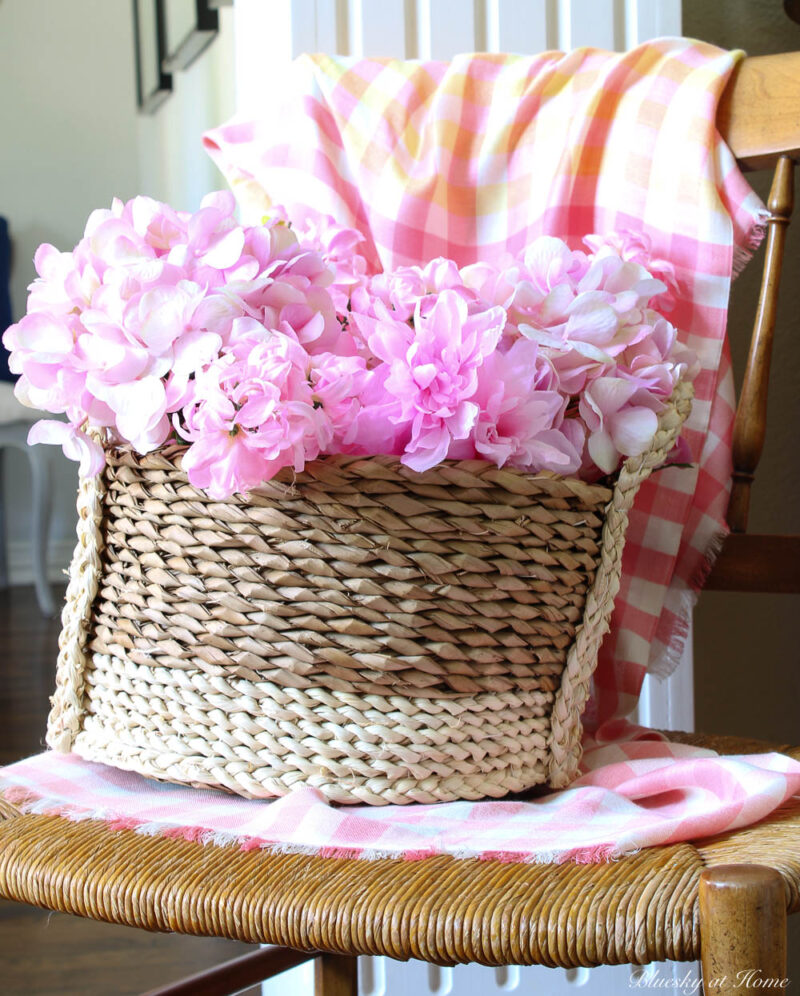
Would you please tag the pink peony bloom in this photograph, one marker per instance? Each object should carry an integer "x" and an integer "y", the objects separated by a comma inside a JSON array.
[
  {"x": 434, "y": 372},
  {"x": 253, "y": 412},
  {"x": 521, "y": 416},
  {"x": 377, "y": 427},
  {"x": 337, "y": 384}
]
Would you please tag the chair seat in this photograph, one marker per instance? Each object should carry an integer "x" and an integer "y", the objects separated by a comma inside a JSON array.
[{"x": 445, "y": 910}]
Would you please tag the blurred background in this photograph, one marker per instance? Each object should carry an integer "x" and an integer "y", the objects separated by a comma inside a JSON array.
[
  {"x": 73, "y": 138},
  {"x": 88, "y": 113}
]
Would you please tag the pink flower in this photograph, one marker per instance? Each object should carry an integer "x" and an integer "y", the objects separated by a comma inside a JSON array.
[
  {"x": 434, "y": 372},
  {"x": 410, "y": 288},
  {"x": 339, "y": 246},
  {"x": 658, "y": 361},
  {"x": 292, "y": 291},
  {"x": 75, "y": 444},
  {"x": 377, "y": 427},
  {"x": 621, "y": 420},
  {"x": 265, "y": 350},
  {"x": 252, "y": 412},
  {"x": 337, "y": 384},
  {"x": 584, "y": 326},
  {"x": 521, "y": 416},
  {"x": 636, "y": 247},
  {"x": 65, "y": 283},
  {"x": 42, "y": 349},
  {"x": 118, "y": 329}
]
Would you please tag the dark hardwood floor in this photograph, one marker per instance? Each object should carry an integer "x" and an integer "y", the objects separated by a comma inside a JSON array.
[{"x": 52, "y": 954}]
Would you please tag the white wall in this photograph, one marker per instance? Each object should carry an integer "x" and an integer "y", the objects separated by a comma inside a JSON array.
[
  {"x": 67, "y": 120},
  {"x": 69, "y": 144},
  {"x": 172, "y": 164},
  {"x": 71, "y": 140}
]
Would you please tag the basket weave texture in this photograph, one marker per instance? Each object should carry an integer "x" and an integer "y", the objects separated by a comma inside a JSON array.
[{"x": 378, "y": 634}]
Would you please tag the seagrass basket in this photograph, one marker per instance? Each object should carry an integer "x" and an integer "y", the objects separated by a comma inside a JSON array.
[{"x": 380, "y": 635}]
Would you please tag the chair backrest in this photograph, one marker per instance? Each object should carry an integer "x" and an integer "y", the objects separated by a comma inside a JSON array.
[{"x": 759, "y": 118}]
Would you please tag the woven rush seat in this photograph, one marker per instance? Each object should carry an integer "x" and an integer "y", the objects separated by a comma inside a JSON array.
[{"x": 444, "y": 910}]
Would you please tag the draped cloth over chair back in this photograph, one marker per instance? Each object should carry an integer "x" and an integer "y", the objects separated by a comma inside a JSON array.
[{"x": 477, "y": 157}]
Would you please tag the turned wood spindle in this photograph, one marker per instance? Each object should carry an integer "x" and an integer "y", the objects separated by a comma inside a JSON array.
[{"x": 751, "y": 413}]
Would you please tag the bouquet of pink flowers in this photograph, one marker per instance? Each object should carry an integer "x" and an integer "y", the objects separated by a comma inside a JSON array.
[{"x": 268, "y": 346}]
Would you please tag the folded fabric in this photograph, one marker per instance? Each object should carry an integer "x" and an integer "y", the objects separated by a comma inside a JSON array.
[
  {"x": 478, "y": 156},
  {"x": 635, "y": 793}
]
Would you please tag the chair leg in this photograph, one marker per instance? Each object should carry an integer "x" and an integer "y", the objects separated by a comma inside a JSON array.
[
  {"x": 336, "y": 975},
  {"x": 3, "y": 531},
  {"x": 742, "y": 929},
  {"x": 40, "y": 478}
]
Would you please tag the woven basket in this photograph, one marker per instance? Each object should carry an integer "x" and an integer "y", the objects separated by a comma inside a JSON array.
[{"x": 381, "y": 635}]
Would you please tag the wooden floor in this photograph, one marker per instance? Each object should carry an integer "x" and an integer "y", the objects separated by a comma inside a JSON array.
[{"x": 52, "y": 954}]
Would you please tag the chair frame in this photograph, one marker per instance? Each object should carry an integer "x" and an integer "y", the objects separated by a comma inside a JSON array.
[
  {"x": 14, "y": 435},
  {"x": 717, "y": 890},
  {"x": 770, "y": 86}
]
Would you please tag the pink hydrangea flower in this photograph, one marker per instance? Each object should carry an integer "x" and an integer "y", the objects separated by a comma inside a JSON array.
[
  {"x": 117, "y": 329},
  {"x": 620, "y": 418},
  {"x": 75, "y": 444},
  {"x": 403, "y": 293},
  {"x": 636, "y": 247},
  {"x": 584, "y": 328},
  {"x": 252, "y": 413},
  {"x": 265, "y": 348},
  {"x": 340, "y": 248},
  {"x": 658, "y": 361}
]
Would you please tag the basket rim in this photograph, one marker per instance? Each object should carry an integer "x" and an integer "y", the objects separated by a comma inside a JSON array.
[{"x": 365, "y": 467}]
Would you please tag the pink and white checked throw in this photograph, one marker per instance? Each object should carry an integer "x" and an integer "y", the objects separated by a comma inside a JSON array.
[
  {"x": 466, "y": 160},
  {"x": 474, "y": 157},
  {"x": 634, "y": 793}
]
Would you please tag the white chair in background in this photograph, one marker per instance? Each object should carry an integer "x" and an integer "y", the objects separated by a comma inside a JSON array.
[{"x": 15, "y": 421}]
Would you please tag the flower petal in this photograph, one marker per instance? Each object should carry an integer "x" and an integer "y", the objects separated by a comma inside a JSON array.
[{"x": 633, "y": 429}]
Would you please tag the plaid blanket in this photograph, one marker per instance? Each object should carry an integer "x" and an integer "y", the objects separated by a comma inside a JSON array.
[
  {"x": 478, "y": 156},
  {"x": 634, "y": 793},
  {"x": 467, "y": 160}
]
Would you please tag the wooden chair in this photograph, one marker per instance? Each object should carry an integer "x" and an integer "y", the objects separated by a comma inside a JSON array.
[{"x": 681, "y": 902}]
